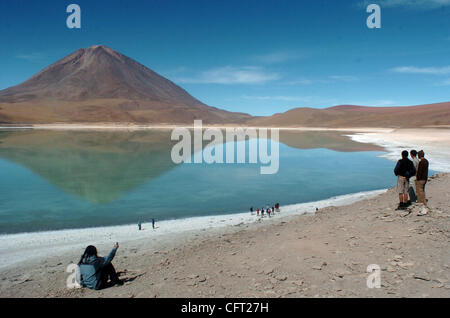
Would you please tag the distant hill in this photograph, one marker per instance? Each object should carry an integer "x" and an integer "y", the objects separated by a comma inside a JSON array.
[
  {"x": 99, "y": 84},
  {"x": 359, "y": 116}
]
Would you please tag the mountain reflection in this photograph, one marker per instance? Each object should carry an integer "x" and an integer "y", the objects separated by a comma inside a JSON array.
[
  {"x": 101, "y": 166},
  {"x": 95, "y": 166}
]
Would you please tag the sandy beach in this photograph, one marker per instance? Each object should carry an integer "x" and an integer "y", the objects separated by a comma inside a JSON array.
[{"x": 297, "y": 253}]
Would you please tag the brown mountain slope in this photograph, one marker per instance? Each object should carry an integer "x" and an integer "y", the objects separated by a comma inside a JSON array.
[
  {"x": 359, "y": 116},
  {"x": 99, "y": 84}
]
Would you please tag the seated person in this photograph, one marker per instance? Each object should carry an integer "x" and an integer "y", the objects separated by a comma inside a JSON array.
[{"x": 95, "y": 271}]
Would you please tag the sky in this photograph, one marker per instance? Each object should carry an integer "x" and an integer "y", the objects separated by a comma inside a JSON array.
[{"x": 254, "y": 56}]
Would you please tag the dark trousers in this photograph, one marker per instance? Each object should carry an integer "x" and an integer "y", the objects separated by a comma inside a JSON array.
[{"x": 108, "y": 273}]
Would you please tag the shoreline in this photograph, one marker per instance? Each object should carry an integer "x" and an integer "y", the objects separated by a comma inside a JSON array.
[
  {"x": 119, "y": 125},
  {"x": 132, "y": 127},
  {"x": 435, "y": 142},
  {"x": 28, "y": 246}
]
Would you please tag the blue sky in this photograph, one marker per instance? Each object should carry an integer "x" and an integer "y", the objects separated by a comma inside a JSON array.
[{"x": 255, "y": 56}]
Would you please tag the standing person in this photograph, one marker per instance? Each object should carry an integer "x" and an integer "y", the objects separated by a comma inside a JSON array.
[
  {"x": 95, "y": 271},
  {"x": 277, "y": 207},
  {"x": 139, "y": 225},
  {"x": 262, "y": 212},
  {"x": 421, "y": 180},
  {"x": 153, "y": 223},
  {"x": 404, "y": 169},
  {"x": 257, "y": 212},
  {"x": 412, "y": 181},
  {"x": 251, "y": 210}
]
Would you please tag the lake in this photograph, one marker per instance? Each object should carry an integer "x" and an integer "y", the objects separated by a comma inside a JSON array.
[{"x": 52, "y": 180}]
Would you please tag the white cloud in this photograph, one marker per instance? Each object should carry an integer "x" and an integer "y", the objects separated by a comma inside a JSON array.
[
  {"x": 314, "y": 101},
  {"x": 373, "y": 103},
  {"x": 414, "y": 4},
  {"x": 232, "y": 75},
  {"x": 278, "y": 57},
  {"x": 280, "y": 98},
  {"x": 422, "y": 70},
  {"x": 344, "y": 78},
  {"x": 32, "y": 57},
  {"x": 301, "y": 81},
  {"x": 329, "y": 79},
  {"x": 295, "y": 101}
]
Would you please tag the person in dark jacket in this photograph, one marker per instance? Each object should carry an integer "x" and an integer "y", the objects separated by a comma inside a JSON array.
[
  {"x": 95, "y": 271},
  {"x": 404, "y": 169},
  {"x": 412, "y": 180},
  {"x": 421, "y": 180}
]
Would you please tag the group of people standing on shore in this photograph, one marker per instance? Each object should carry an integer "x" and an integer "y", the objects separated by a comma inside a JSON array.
[
  {"x": 269, "y": 210},
  {"x": 412, "y": 176}
]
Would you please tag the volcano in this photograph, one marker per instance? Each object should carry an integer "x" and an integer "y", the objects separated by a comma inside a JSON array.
[{"x": 99, "y": 84}]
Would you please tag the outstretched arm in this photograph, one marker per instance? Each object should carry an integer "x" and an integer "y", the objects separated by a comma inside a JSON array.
[{"x": 111, "y": 255}]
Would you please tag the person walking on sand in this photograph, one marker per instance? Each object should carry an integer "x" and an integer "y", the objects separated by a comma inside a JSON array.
[
  {"x": 96, "y": 271},
  {"x": 421, "y": 181},
  {"x": 412, "y": 181},
  {"x": 404, "y": 169}
]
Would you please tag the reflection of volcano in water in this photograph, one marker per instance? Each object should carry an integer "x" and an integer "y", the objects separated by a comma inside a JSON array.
[
  {"x": 332, "y": 140},
  {"x": 100, "y": 166},
  {"x": 96, "y": 166}
]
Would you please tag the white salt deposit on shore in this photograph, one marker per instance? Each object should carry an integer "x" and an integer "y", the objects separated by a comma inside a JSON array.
[
  {"x": 17, "y": 248},
  {"x": 434, "y": 142}
]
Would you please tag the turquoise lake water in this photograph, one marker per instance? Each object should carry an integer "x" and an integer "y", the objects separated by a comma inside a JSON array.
[{"x": 52, "y": 180}]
